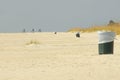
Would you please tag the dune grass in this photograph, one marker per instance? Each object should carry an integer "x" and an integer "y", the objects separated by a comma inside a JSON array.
[
  {"x": 114, "y": 28},
  {"x": 35, "y": 42}
]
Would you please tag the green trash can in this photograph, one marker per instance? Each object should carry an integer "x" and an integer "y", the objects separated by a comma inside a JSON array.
[{"x": 106, "y": 42}]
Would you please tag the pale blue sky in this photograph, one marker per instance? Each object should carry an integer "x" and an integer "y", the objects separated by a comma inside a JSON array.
[{"x": 56, "y": 15}]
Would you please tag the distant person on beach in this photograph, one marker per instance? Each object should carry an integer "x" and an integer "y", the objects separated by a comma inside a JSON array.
[
  {"x": 33, "y": 30},
  {"x": 24, "y": 30},
  {"x": 39, "y": 30}
]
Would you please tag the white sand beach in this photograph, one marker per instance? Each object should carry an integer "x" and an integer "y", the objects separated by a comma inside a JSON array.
[{"x": 59, "y": 56}]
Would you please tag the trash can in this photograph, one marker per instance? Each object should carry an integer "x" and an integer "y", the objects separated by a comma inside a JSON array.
[{"x": 106, "y": 42}]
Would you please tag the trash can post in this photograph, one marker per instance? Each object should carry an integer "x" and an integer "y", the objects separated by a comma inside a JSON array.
[{"x": 106, "y": 42}]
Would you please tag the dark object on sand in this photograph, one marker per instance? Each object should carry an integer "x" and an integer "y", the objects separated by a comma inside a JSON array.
[
  {"x": 55, "y": 32},
  {"x": 78, "y": 34}
]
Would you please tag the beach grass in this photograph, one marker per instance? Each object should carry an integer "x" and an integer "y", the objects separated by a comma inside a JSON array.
[
  {"x": 33, "y": 42},
  {"x": 114, "y": 28}
]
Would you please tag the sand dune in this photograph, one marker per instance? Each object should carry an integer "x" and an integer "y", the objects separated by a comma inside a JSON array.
[{"x": 59, "y": 56}]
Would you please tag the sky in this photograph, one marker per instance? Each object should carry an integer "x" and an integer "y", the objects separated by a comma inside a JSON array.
[{"x": 56, "y": 15}]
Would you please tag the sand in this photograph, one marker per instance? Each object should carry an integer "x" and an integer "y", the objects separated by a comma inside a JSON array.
[{"x": 59, "y": 56}]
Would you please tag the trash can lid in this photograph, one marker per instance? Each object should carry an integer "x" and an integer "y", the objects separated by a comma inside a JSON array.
[{"x": 106, "y": 36}]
